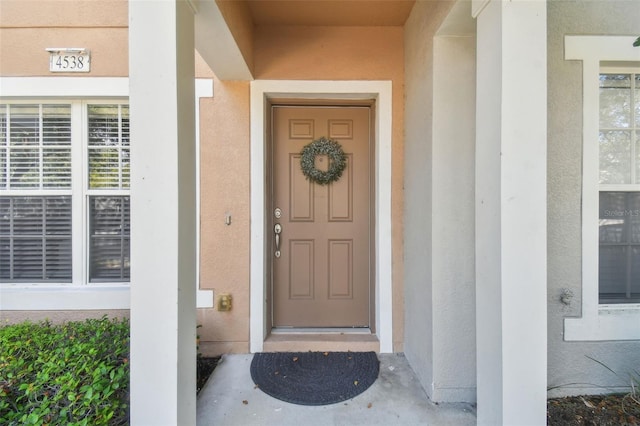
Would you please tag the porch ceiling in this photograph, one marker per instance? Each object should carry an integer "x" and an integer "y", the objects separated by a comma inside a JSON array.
[
  {"x": 330, "y": 12},
  {"x": 224, "y": 32}
]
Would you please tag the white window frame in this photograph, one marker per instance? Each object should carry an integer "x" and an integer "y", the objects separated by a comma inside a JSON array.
[
  {"x": 79, "y": 295},
  {"x": 89, "y": 193},
  {"x": 612, "y": 321},
  {"x": 79, "y": 190}
]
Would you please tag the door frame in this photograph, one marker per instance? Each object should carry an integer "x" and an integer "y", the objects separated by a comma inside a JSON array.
[{"x": 260, "y": 94}]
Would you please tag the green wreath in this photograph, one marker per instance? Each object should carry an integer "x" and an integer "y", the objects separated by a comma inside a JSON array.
[{"x": 337, "y": 160}]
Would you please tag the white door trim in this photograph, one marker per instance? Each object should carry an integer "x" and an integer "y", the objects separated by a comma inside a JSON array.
[{"x": 381, "y": 91}]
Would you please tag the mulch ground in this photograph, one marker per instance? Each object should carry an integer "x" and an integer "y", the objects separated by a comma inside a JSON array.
[
  {"x": 204, "y": 368},
  {"x": 593, "y": 410}
]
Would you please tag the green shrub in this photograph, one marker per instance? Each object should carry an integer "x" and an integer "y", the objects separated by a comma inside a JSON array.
[{"x": 76, "y": 373}]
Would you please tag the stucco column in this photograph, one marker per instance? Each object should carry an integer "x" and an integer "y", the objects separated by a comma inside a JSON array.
[
  {"x": 163, "y": 245},
  {"x": 511, "y": 267}
]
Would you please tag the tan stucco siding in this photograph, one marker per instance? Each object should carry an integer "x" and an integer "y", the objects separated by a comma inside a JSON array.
[
  {"x": 64, "y": 13},
  {"x": 347, "y": 53},
  {"x": 225, "y": 176},
  {"x": 23, "y": 50},
  {"x": 27, "y": 28}
]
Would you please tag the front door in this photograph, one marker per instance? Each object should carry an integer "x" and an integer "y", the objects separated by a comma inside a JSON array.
[{"x": 322, "y": 273}]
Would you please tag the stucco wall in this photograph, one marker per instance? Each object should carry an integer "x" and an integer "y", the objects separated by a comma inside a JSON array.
[
  {"x": 347, "y": 53},
  {"x": 567, "y": 361},
  {"x": 439, "y": 199},
  {"x": 27, "y": 28},
  {"x": 418, "y": 345},
  {"x": 224, "y": 189},
  {"x": 280, "y": 53},
  {"x": 453, "y": 219}
]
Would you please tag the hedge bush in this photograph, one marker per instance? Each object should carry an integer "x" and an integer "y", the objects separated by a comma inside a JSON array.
[{"x": 75, "y": 373}]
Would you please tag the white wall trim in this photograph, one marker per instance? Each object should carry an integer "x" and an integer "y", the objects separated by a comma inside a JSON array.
[
  {"x": 91, "y": 296},
  {"x": 204, "y": 89},
  {"x": 598, "y": 322},
  {"x": 261, "y": 90},
  {"x": 69, "y": 87},
  {"x": 64, "y": 298}
]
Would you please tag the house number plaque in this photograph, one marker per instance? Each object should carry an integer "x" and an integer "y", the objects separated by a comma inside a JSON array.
[{"x": 69, "y": 59}]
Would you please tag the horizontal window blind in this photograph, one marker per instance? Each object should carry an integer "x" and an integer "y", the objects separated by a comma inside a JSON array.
[
  {"x": 110, "y": 234},
  {"x": 35, "y": 239},
  {"x": 108, "y": 146},
  {"x": 35, "y": 146},
  {"x": 619, "y": 260}
]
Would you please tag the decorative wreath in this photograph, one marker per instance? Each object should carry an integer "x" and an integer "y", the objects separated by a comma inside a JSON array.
[{"x": 337, "y": 160}]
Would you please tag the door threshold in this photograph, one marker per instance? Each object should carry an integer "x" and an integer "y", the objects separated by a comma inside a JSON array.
[
  {"x": 323, "y": 340},
  {"x": 328, "y": 330}
]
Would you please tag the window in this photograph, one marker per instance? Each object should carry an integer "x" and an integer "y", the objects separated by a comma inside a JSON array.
[
  {"x": 619, "y": 179},
  {"x": 610, "y": 188},
  {"x": 109, "y": 230},
  {"x": 64, "y": 168},
  {"x": 102, "y": 293}
]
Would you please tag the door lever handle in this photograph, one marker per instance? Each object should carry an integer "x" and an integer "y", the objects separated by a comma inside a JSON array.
[{"x": 277, "y": 229}]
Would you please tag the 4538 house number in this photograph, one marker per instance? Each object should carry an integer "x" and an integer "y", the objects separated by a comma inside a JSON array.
[{"x": 69, "y": 60}]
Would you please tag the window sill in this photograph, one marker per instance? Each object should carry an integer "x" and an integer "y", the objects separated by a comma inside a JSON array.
[
  {"x": 63, "y": 297},
  {"x": 610, "y": 322},
  {"x": 26, "y": 297}
]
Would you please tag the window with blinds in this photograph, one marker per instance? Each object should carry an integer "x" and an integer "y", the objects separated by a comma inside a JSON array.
[
  {"x": 35, "y": 234},
  {"x": 109, "y": 230},
  {"x": 109, "y": 238},
  {"x": 46, "y": 198},
  {"x": 108, "y": 146},
  {"x": 35, "y": 146},
  {"x": 619, "y": 210},
  {"x": 35, "y": 161}
]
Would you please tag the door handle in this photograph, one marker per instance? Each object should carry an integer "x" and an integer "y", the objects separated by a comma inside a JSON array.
[{"x": 277, "y": 229}]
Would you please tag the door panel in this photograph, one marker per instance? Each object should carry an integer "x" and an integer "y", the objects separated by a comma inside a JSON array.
[
  {"x": 322, "y": 277},
  {"x": 301, "y": 198}
]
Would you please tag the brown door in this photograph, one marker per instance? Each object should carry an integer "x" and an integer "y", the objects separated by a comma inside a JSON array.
[{"x": 322, "y": 276}]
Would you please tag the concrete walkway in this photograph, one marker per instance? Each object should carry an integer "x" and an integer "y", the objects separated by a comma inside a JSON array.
[{"x": 396, "y": 398}]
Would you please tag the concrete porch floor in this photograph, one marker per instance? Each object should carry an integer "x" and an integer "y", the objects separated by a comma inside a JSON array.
[{"x": 396, "y": 398}]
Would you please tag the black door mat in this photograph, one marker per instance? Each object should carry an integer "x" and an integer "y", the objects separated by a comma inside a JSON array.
[{"x": 314, "y": 378}]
